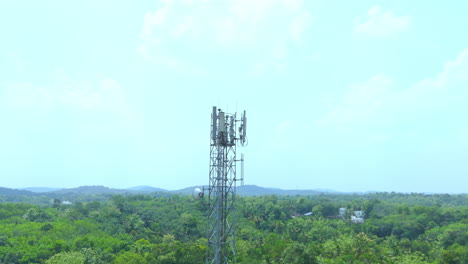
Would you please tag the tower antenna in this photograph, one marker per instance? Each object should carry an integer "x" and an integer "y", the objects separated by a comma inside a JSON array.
[{"x": 222, "y": 220}]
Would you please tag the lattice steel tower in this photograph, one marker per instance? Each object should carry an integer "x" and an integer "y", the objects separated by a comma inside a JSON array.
[{"x": 226, "y": 133}]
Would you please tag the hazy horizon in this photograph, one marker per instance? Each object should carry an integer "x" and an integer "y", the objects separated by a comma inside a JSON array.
[
  {"x": 261, "y": 186},
  {"x": 352, "y": 97}
]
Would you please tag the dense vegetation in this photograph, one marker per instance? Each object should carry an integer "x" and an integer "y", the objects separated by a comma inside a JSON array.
[{"x": 399, "y": 228}]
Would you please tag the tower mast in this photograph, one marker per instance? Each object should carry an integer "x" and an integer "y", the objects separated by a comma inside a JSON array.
[{"x": 222, "y": 185}]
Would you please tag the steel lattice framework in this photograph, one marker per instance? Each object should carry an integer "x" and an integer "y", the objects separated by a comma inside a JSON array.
[{"x": 222, "y": 186}]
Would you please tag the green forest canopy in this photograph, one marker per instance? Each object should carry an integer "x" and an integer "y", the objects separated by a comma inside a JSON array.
[{"x": 399, "y": 228}]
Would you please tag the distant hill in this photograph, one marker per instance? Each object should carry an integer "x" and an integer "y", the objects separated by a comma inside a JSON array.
[
  {"x": 188, "y": 190},
  {"x": 254, "y": 190},
  {"x": 98, "y": 189},
  {"x": 43, "y": 195},
  {"x": 11, "y": 192},
  {"x": 40, "y": 189},
  {"x": 146, "y": 188}
]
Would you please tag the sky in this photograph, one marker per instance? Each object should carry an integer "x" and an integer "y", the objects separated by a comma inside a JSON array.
[{"x": 342, "y": 95}]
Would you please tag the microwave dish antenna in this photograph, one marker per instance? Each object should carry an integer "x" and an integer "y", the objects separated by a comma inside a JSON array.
[{"x": 197, "y": 194}]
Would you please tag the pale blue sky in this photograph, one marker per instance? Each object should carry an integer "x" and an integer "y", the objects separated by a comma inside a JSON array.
[{"x": 344, "y": 95}]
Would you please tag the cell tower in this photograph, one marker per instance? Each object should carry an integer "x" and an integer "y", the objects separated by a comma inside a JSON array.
[{"x": 222, "y": 184}]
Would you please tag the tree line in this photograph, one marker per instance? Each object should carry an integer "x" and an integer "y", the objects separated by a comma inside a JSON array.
[{"x": 398, "y": 228}]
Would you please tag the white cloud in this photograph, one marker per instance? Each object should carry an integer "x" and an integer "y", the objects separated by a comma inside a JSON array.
[
  {"x": 103, "y": 94},
  {"x": 227, "y": 26},
  {"x": 381, "y": 23},
  {"x": 455, "y": 70},
  {"x": 274, "y": 60},
  {"x": 361, "y": 101},
  {"x": 299, "y": 25},
  {"x": 83, "y": 110},
  {"x": 437, "y": 103},
  {"x": 258, "y": 69},
  {"x": 17, "y": 61}
]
